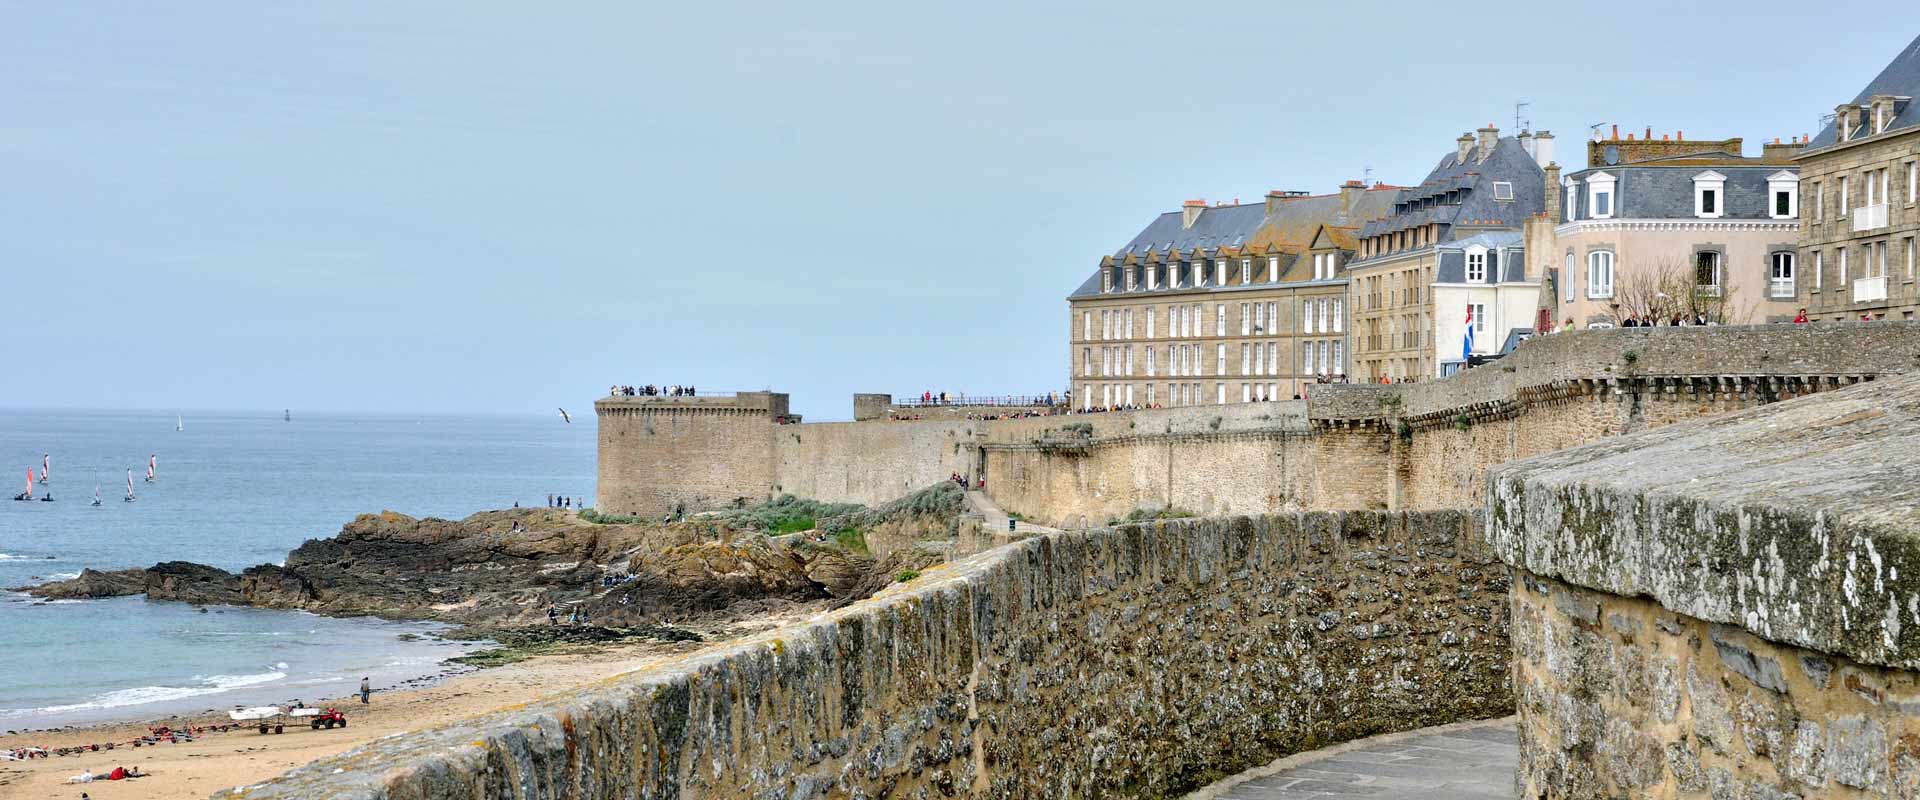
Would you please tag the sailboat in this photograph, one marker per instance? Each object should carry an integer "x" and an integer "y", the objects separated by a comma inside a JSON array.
[
  {"x": 96, "y": 494},
  {"x": 129, "y": 486},
  {"x": 152, "y": 461},
  {"x": 28, "y": 494},
  {"x": 179, "y": 423},
  {"x": 287, "y": 415},
  {"x": 46, "y": 466}
]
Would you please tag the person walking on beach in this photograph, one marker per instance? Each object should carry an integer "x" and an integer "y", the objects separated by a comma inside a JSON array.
[{"x": 365, "y": 690}]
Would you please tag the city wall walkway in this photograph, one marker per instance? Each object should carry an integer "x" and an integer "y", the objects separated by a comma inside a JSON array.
[
  {"x": 1464, "y": 761},
  {"x": 996, "y": 519}
]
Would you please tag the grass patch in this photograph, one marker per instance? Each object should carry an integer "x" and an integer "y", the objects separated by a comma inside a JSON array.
[
  {"x": 852, "y": 540},
  {"x": 597, "y": 518},
  {"x": 1150, "y": 514},
  {"x": 906, "y": 575},
  {"x": 786, "y": 514},
  {"x": 792, "y": 525}
]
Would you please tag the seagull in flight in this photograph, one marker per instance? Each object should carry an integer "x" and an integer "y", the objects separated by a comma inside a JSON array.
[{"x": 564, "y": 415}]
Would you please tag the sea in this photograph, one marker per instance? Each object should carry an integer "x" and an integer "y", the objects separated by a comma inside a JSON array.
[{"x": 233, "y": 489}]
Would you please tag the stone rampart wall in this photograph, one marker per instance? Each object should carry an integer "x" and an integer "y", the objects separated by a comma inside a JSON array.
[
  {"x": 659, "y": 459},
  {"x": 871, "y": 462},
  {"x": 1139, "y": 661}
]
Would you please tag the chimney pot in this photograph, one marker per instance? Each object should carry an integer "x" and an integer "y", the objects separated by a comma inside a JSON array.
[
  {"x": 1616, "y": 133},
  {"x": 1649, "y": 132},
  {"x": 1681, "y": 135},
  {"x": 1629, "y": 137}
]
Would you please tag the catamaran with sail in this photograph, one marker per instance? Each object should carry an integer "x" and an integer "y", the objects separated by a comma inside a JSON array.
[
  {"x": 129, "y": 486},
  {"x": 28, "y": 494},
  {"x": 96, "y": 494},
  {"x": 46, "y": 467},
  {"x": 152, "y": 461}
]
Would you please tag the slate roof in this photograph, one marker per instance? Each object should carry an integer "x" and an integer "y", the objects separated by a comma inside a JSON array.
[
  {"x": 1245, "y": 229},
  {"x": 1648, "y": 190},
  {"x": 1505, "y": 252},
  {"x": 1901, "y": 78},
  {"x": 1468, "y": 185}
]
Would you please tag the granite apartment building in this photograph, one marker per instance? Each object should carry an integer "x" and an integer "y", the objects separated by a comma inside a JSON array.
[
  {"x": 1860, "y": 200},
  {"x": 1218, "y": 304}
]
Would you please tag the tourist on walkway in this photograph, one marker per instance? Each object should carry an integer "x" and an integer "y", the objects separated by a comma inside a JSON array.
[
  {"x": 366, "y": 690},
  {"x": 1800, "y": 318}
]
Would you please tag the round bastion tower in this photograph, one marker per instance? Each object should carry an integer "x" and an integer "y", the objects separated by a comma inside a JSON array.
[{"x": 663, "y": 455}]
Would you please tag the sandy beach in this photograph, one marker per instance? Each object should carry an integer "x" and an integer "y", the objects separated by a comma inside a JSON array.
[{"x": 222, "y": 760}]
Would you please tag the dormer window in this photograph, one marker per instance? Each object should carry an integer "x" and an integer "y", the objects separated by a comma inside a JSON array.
[
  {"x": 1600, "y": 195},
  {"x": 1502, "y": 190},
  {"x": 1476, "y": 265},
  {"x": 1783, "y": 195},
  {"x": 1709, "y": 195},
  {"x": 1273, "y": 268}
]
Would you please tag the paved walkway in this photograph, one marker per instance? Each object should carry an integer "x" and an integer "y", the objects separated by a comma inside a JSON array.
[
  {"x": 996, "y": 520},
  {"x": 1468, "y": 761}
]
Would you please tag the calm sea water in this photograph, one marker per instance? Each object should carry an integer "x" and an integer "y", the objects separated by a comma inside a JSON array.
[{"x": 232, "y": 490}]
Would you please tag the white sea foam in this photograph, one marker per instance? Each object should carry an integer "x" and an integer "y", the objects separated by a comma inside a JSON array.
[
  {"x": 14, "y": 557},
  {"x": 141, "y": 695}
]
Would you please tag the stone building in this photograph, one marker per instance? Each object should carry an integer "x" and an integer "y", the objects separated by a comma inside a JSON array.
[
  {"x": 1486, "y": 273},
  {"x": 1677, "y": 226},
  {"x": 1221, "y": 304},
  {"x": 1487, "y": 184},
  {"x": 1860, "y": 187}
]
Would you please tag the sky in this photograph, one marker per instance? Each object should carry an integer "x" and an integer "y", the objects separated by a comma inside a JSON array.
[{"x": 480, "y": 207}]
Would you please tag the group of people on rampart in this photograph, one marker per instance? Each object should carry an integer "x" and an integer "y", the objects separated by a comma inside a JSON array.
[{"x": 653, "y": 391}]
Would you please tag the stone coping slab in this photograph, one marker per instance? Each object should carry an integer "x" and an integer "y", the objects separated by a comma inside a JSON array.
[{"x": 1798, "y": 521}]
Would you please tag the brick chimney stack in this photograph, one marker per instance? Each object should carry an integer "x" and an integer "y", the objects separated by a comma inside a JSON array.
[
  {"x": 1489, "y": 137},
  {"x": 1349, "y": 192},
  {"x": 1553, "y": 192},
  {"x": 1466, "y": 146}
]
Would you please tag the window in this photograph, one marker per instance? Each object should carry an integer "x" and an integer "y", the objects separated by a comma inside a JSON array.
[
  {"x": 1106, "y": 362},
  {"x": 1220, "y": 389},
  {"x": 1339, "y": 309},
  {"x": 1273, "y": 317},
  {"x": 1129, "y": 323},
  {"x": 1910, "y": 258},
  {"x": 1502, "y": 190},
  {"x": 1819, "y": 201},
  {"x": 1476, "y": 266},
  {"x": 1246, "y": 359},
  {"x": 1246, "y": 271},
  {"x": 1709, "y": 194},
  {"x": 1220, "y": 319},
  {"x": 1306, "y": 358},
  {"x": 1846, "y": 196},
  {"x": 1326, "y": 307},
  {"x": 1220, "y": 272},
  {"x": 1129, "y": 350},
  {"x": 1913, "y": 182},
  {"x": 1780, "y": 284},
  {"x": 1784, "y": 188},
  {"x": 1572, "y": 213},
  {"x": 1273, "y": 268},
  {"x": 1566, "y": 274},
  {"x": 1259, "y": 360},
  {"x": 1339, "y": 360},
  {"x": 1149, "y": 322},
  {"x": 1843, "y": 266},
  {"x": 1306, "y": 316},
  {"x": 1149, "y": 369},
  {"x": 1086, "y": 326},
  {"x": 1600, "y": 196},
  {"x": 1086, "y": 361},
  {"x": 1246, "y": 322},
  {"x": 1106, "y": 326},
  {"x": 1599, "y": 274},
  {"x": 1706, "y": 272},
  {"x": 1325, "y": 353},
  {"x": 1220, "y": 359},
  {"x": 1150, "y": 401},
  {"x": 1246, "y": 393},
  {"x": 1259, "y": 318},
  {"x": 1479, "y": 318},
  {"x": 1273, "y": 348},
  {"x": 1819, "y": 268}
]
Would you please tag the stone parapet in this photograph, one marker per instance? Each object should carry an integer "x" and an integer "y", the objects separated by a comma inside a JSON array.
[
  {"x": 1138, "y": 661},
  {"x": 1729, "y": 606}
]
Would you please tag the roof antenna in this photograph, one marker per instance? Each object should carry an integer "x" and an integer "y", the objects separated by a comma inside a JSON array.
[
  {"x": 1518, "y": 124},
  {"x": 1596, "y": 129},
  {"x": 1366, "y": 177}
]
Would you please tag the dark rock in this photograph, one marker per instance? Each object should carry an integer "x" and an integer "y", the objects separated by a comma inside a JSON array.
[{"x": 92, "y": 585}]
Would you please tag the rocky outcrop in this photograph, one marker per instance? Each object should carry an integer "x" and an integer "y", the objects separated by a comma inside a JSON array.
[{"x": 93, "y": 585}]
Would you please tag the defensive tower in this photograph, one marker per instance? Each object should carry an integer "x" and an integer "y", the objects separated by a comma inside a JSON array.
[{"x": 663, "y": 455}]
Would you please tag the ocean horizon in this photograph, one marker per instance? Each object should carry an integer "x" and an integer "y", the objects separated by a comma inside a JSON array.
[{"x": 233, "y": 489}]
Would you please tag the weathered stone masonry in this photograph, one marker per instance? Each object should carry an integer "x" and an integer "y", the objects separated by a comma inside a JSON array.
[
  {"x": 1728, "y": 609},
  {"x": 1137, "y": 661}
]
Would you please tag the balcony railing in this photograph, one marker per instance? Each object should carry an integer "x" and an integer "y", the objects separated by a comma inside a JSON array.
[
  {"x": 1867, "y": 218},
  {"x": 1780, "y": 288},
  {"x": 1866, "y": 290}
]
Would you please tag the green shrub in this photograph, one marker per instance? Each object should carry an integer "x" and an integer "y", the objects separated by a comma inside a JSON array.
[
  {"x": 1150, "y": 514},
  {"x": 906, "y": 575},
  {"x": 786, "y": 514},
  {"x": 597, "y": 518},
  {"x": 851, "y": 540}
]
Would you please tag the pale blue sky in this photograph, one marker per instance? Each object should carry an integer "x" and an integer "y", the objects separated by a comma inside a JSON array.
[{"x": 481, "y": 206}]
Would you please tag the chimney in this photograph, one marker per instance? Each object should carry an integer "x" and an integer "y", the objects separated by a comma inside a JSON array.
[
  {"x": 1526, "y": 142},
  {"x": 1349, "y": 192},
  {"x": 1190, "y": 212},
  {"x": 1553, "y": 191},
  {"x": 1489, "y": 137},
  {"x": 1543, "y": 148},
  {"x": 1466, "y": 146},
  {"x": 1777, "y": 150}
]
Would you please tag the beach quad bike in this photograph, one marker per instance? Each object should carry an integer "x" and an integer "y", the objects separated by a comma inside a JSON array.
[{"x": 328, "y": 719}]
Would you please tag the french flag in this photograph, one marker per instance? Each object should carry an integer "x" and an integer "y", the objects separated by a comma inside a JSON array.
[{"x": 1467, "y": 351}]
